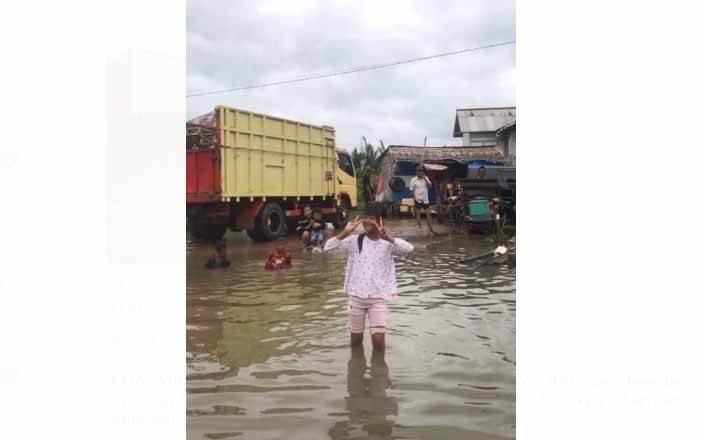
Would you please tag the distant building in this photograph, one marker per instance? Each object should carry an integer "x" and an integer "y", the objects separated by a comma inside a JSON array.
[
  {"x": 478, "y": 126},
  {"x": 507, "y": 142}
]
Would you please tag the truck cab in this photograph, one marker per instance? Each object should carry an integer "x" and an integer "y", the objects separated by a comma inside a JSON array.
[{"x": 346, "y": 189}]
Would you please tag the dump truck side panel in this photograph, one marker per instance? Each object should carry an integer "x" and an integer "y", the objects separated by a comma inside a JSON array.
[
  {"x": 203, "y": 172},
  {"x": 264, "y": 156}
]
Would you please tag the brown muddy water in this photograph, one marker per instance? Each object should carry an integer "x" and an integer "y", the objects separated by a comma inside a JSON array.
[{"x": 268, "y": 354}]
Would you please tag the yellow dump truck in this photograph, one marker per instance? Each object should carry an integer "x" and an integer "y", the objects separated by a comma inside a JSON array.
[{"x": 255, "y": 172}]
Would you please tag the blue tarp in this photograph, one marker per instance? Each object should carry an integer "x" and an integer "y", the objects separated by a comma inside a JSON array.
[{"x": 484, "y": 163}]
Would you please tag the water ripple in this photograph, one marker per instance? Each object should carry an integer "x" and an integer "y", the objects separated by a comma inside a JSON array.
[{"x": 268, "y": 354}]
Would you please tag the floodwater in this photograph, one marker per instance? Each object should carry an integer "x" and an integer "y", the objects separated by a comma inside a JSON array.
[{"x": 268, "y": 354}]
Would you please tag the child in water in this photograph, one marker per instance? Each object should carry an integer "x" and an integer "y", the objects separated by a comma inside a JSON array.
[
  {"x": 279, "y": 259},
  {"x": 219, "y": 259},
  {"x": 370, "y": 273},
  {"x": 317, "y": 228}
]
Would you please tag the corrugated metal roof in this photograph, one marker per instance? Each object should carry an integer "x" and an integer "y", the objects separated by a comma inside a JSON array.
[
  {"x": 482, "y": 119},
  {"x": 461, "y": 154},
  {"x": 506, "y": 126}
]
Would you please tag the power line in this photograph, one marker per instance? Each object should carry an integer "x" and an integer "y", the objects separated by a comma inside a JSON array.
[{"x": 347, "y": 71}]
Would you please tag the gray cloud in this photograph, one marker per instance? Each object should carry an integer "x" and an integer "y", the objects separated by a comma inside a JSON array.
[{"x": 235, "y": 43}]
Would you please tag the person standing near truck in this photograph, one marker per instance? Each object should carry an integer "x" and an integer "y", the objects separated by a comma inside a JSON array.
[{"x": 420, "y": 185}]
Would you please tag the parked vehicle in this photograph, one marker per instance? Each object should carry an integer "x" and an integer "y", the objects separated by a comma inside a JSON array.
[
  {"x": 481, "y": 214},
  {"x": 498, "y": 189},
  {"x": 254, "y": 172}
]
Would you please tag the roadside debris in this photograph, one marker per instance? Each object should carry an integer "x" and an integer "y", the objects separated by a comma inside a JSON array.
[{"x": 500, "y": 255}]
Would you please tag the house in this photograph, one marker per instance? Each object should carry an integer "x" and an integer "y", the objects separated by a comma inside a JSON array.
[
  {"x": 478, "y": 126},
  {"x": 507, "y": 141}
]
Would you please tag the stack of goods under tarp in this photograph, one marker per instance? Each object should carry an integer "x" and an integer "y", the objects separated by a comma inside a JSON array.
[{"x": 207, "y": 119}]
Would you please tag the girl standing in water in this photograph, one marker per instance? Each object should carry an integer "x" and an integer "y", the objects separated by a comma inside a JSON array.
[{"x": 370, "y": 273}]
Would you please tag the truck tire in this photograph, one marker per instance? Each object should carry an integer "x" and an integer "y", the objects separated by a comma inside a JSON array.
[
  {"x": 343, "y": 212},
  {"x": 270, "y": 223},
  {"x": 256, "y": 236}
]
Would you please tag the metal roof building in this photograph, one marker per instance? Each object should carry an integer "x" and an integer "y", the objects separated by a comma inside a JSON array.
[
  {"x": 460, "y": 154},
  {"x": 477, "y": 126}
]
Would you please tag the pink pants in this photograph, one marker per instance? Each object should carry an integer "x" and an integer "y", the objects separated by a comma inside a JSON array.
[{"x": 375, "y": 308}]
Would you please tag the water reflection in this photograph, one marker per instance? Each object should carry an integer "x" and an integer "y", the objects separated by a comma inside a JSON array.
[{"x": 367, "y": 403}]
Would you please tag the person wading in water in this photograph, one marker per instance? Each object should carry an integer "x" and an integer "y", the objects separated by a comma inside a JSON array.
[{"x": 370, "y": 273}]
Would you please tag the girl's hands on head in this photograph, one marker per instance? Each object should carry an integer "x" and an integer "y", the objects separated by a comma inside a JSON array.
[{"x": 350, "y": 228}]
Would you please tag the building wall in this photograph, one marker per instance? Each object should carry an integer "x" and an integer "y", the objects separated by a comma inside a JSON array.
[
  {"x": 479, "y": 139},
  {"x": 511, "y": 152},
  {"x": 508, "y": 144}
]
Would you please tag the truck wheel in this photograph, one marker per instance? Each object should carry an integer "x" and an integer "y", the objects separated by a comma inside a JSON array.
[
  {"x": 343, "y": 212},
  {"x": 270, "y": 223}
]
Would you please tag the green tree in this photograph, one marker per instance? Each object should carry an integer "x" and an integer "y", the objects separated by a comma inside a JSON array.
[
  {"x": 367, "y": 154},
  {"x": 363, "y": 155}
]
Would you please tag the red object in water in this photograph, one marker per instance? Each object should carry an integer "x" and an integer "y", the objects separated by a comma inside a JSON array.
[{"x": 278, "y": 261}]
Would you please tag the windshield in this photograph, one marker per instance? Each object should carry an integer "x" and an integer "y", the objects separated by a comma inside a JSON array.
[{"x": 345, "y": 164}]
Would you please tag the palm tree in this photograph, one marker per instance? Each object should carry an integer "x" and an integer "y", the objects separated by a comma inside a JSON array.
[
  {"x": 367, "y": 154},
  {"x": 364, "y": 155}
]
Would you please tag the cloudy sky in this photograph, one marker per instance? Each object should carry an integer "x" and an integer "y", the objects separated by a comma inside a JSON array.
[{"x": 239, "y": 43}]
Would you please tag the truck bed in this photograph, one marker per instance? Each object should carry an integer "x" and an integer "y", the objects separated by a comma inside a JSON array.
[{"x": 254, "y": 155}]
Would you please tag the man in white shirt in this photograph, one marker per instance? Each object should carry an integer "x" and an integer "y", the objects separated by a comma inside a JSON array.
[{"x": 420, "y": 185}]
